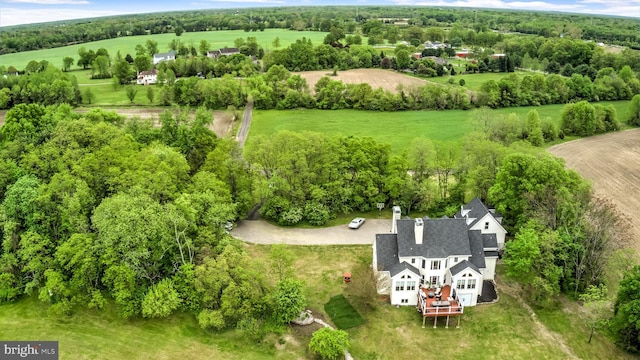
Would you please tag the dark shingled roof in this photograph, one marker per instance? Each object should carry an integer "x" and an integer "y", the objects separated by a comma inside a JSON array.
[
  {"x": 441, "y": 238},
  {"x": 477, "y": 211},
  {"x": 477, "y": 250},
  {"x": 489, "y": 241},
  {"x": 386, "y": 251},
  {"x": 459, "y": 267},
  {"x": 403, "y": 266}
]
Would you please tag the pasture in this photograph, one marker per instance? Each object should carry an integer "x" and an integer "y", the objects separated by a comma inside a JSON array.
[
  {"x": 395, "y": 128},
  {"x": 473, "y": 81},
  {"x": 610, "y": 161},
  {"x": 497, "y": 331},
  {"x": 127, "y": 44}
]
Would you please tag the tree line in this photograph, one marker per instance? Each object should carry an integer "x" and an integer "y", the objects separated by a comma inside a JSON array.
[
  {"x": 476, "y": 27},
  {"x": 96, "y": 208}
]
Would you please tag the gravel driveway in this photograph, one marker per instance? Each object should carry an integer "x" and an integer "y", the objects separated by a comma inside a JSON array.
[{"x": 261, "y": 232}]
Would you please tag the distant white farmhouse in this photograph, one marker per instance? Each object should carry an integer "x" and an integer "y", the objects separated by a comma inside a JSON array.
[
  {"x": 147, "y": 77},
  {"x": 158, "y": 58}
]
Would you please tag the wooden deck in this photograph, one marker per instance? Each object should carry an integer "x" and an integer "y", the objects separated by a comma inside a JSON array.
[{"x": 434, "y": 307}]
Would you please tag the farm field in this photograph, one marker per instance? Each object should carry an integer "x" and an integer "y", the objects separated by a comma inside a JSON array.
[
  {"x": 395, "y": 128},
  {"x": 610, "y": 161},
  {"x": 473, "y": 81},
  {"x": 127, "y": 44},
  {"x": 377, "y": 78},
  {"x": 103, "y": 335}
]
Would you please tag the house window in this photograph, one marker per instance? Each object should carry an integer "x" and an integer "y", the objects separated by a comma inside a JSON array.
[
  {"x": 399, "y": 285},
  {"x": 435, "y": 265},
  {"x": 404, "y": 301},
  {"x": 413, "y": 260},
  {"x": 471, "y": 284},
  {"x": 455, "y": 259},
  {"x": 422, "y": 280},
  {"x": 424, "y": 264},
  {"x": 460, "y": 284},
  {"x": 434, "y": 280},
  {"x": 411, "y": 285},
  {"x": 486, "y": 225}
]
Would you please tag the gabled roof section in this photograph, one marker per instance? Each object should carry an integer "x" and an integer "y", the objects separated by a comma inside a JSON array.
[
  {"x": 477, "y": 249},
  {"x": 398, "y": 268},
  {"x": 386, "y": 251},
  {"x": 461, "y": 266},
  {"x": 164, "y": 55},
  {"x": 441, "y": 238},
  {"x": 476, "y": 211}
]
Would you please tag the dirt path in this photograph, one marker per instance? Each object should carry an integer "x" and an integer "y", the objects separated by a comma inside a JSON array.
[
  {"x": 246, "y": 123},
  {"x": 261, "y": 232},
  {"x": 612, "y": 163},
  {"x": 550, "y": 336}
]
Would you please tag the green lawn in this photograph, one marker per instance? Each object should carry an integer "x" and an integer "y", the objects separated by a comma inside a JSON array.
[
  {"x": 342, "y": 313},
  {"x": 395, "y": 128},
  {"x": 103, "y": 335},
  {"x": 127, "y": 44},
  {"x": 499, "y": 331},
  {"x": 473, "y": 81}
]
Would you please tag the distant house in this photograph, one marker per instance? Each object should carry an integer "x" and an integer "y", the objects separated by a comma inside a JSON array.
[
  {"x": 158, "y": 58},
  {"x": 495, "y": 56},
  {"x": 215, "y": 54},
  {"x": 448, "y": 261},
  {"x": 147, "y": 77},
  {"x": 417, "y": 56},
  {"x": 436, "y": 45},
  {"x": 437, "y": 60},
  {"x": 463, "y": 53}
]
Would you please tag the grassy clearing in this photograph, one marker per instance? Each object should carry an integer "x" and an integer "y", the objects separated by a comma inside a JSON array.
[
  {"x": 395, "y": 128},
  {"x": 127, "y": 44},
  {"x": 499, "y": 331},
  {"x": 472, "y": 81},
  {"x": 103, "y": 335},
  {"x": 342, "y": 313}
]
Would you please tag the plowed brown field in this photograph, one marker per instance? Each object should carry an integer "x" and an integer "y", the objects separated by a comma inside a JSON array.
[
  {"x": 386, "y": 79},
  {"x": 612, "y": 163}
]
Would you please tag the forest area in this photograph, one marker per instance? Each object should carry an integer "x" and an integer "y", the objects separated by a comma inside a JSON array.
[{"x": 103, "y": 212}]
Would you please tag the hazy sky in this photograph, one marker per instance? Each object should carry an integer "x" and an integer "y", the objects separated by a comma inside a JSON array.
[{"x": 13, "y": 12}]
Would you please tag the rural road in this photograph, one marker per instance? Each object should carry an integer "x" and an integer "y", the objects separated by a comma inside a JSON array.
[
  {"x": 246, "y": 123},
  {"x": 261, "y": 232}
]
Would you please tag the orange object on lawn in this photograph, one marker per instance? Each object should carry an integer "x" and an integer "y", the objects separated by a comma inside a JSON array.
[{"x": 347, "y": 277}]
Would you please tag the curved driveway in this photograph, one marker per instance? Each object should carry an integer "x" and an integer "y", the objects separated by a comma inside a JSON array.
[{"x": 261, "y": 232}]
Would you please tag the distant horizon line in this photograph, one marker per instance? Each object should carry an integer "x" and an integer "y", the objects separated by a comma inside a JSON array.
[{"x": 320, "y": 6}]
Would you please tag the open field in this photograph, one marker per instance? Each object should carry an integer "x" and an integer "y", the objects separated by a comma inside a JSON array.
[
  {"x": 127, "y": 44},
  {"x": 473, "y": 81},
  {"x": 377, "y": 78},
  {"x": 222, "y": 121},
  {"x": 504, "y": 330},
  {"x": 395, "y": 128},
  {"x": 611, "y": 162}
]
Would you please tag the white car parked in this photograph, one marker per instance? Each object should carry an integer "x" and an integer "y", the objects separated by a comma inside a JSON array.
[{"x": 356, "y": 223}]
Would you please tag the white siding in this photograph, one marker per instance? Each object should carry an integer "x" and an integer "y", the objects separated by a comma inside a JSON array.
[
  {"x": 465, "y": 280},
  {"x": 401, "y": 293},
  {"x": 494, "y": 228},
  {"x": 490, "y": 270}
]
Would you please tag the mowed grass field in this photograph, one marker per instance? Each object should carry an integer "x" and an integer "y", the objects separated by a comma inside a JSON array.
[
  {"x": 504, "y": 330},
  {"x": 395, "y": 128},
  {"x": 127, "y": 44},
  {"x": 473, "y": 81}
]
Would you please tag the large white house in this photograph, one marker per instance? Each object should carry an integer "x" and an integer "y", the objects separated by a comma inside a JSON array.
[
  {"x": 147, "y": 77},
  {"x": 158, "y": 58},
  {"x": 424, "y": 256}
]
